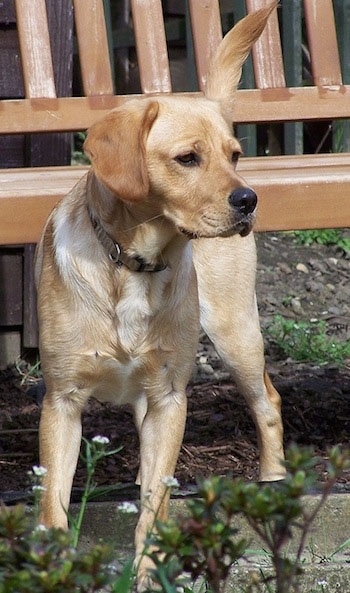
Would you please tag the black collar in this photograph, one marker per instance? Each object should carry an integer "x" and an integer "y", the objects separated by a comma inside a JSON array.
[{"x": 116, "y": 253}]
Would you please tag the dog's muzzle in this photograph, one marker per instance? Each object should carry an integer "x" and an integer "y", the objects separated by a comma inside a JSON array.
[{"x": 244, "y": 201}]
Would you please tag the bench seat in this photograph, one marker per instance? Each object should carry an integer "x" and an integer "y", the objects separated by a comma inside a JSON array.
[{"x": 28, "y": 195}]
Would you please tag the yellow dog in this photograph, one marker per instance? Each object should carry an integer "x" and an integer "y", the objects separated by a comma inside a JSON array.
[{"x": 117, "y": 277}]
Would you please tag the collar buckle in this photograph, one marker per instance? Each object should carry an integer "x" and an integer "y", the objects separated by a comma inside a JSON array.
[{"x": 114, "y": 254}]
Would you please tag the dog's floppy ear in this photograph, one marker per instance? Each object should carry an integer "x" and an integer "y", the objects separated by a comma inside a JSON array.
[
  {"x": 226, "y": 67},
  {"x": 116, "y": 148}
]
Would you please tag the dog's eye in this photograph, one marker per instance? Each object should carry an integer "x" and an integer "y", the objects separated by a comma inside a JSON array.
[
  {"x": 234, "y": 158},
  {"x": 189, "y": 159}
]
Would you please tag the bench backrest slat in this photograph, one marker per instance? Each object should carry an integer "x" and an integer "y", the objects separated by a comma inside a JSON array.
[
  {"x": 34, "y": 40},
  {"x": 151, "y": 46},
  {"x": 322, "y": 38},
  {"x": 267, "y": 51},
  {"x": 274, "y": 102},
  {"x": 93, "y": 48},
  {"x": 207, "y": 34}
]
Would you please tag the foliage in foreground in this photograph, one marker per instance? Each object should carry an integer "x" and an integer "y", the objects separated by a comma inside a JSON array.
[
  {"x": 207, "y": 543},
  {"x": 44, "y": 560},
  {"x": 308, "y": 342},
  {"x": 203, "y": 542}
]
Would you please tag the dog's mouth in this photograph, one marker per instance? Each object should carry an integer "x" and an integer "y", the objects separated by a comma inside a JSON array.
[
  {"x": 242, "y": 228},
  {"x": 245, "y": 229},
  {"x": 189, "y": 234}
]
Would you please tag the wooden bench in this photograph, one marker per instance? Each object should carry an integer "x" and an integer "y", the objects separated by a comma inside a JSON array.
[{"x": 295, "y": 191}]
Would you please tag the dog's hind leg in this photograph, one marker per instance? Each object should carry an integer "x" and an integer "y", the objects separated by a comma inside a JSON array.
[
  {"x": 60, "y": 438},
  {"x": 226, "y": 280},
  {"x": 245, "y": 360}
]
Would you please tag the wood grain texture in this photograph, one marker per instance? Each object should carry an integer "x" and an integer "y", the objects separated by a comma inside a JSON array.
[
  {"x": 322, "y": 38},
  {"x": 251, "y": 106},
  {"x": 93, "y": 47},
  {"x": 152, "y": 54},
  {"x": 207, "y": 34},
  {"x": 34, "y": 40},
  {"x": 267, "y": 51}
]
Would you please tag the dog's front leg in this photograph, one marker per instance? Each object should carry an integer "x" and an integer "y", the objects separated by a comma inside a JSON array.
[
  {"x": 60, "y": 438},
  {"x": 161, "y": 435},
  {"x": 229, "y": 315}
]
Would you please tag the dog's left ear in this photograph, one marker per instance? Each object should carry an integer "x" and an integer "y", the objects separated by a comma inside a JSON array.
[
  {"x": 116, "y": 146},
  {"x": 226, "y": 67}
]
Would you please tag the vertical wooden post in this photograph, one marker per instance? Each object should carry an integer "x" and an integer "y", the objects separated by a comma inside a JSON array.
[
  {"x": 246, "y": 133},
  {"x": 292, "y": 52},
  {"x": 341, "y": 129}
]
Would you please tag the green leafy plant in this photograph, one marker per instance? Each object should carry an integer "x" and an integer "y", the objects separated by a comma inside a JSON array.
[
  {"x": 29, "y": 373},
  {"x": 306, "y": 341},
  {"x": 323, "y": 237},
  {"x": 78, "y": 155},
  {"x": 34, "y": 559},
  {"x": 205, "y": 542},
  {"x": 202, "y": 542},
  {"x": 43, "y": 560},
  {"x": 95, "y": 450}
]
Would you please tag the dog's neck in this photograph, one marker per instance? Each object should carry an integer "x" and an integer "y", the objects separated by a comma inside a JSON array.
[
  {"x": 130, "y": 235},
  {"x": 117, "y": 254}
]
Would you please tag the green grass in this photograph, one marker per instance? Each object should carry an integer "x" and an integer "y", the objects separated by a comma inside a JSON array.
[
  {"x": 304, "y": 341},
  {"x": 323, "y": 237},
  {"x": 29, "y": 372}
]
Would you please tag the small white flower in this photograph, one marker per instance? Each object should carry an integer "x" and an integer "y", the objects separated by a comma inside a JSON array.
[
  {"x": 38, "y": 488},
  {"x": 100, "y": 440},
  {"x": 128, "y": 507},
  {"x": 39, "y": 471},
  {"x": 322, "y": 583},
  {"x": 40, "y": 527},
  {"x": 170, "y": 482}
]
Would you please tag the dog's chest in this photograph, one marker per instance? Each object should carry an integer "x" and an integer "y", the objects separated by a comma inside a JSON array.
[{"x": 140, "y": 302}]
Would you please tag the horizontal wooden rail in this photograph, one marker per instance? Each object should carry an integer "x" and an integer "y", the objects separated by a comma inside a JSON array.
[
  {"x": 79, "y": 113},
  {"x": 287, "y": 187}
]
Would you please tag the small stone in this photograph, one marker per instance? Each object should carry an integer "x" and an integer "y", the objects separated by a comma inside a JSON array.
[
  {"x": 318, "y": 266},
  {"x": 302, "y": 268},
  {"x": 313, "y": 286},
  {"x": 284, "y": 267},
  {"x": 296, "y": 306}
]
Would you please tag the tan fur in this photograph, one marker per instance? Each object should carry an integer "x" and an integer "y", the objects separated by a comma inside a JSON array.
[
  {"x": 131, "y": 337},
  {"x": 224, "y": 75}
]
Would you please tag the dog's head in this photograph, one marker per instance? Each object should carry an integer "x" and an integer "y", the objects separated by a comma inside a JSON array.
[{"x": 179, "y": 154}]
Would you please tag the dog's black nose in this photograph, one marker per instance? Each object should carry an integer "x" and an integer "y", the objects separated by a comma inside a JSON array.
[{"x": 244, "y": 199}]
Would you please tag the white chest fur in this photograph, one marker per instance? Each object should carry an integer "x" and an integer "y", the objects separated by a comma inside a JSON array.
[{"x": 142, "y": 297}]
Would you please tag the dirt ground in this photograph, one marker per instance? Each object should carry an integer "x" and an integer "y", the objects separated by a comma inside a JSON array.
[{"x": 298, "y": 282}]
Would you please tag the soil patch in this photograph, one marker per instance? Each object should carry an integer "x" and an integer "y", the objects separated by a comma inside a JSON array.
[{"x": 300, "y": 283}]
